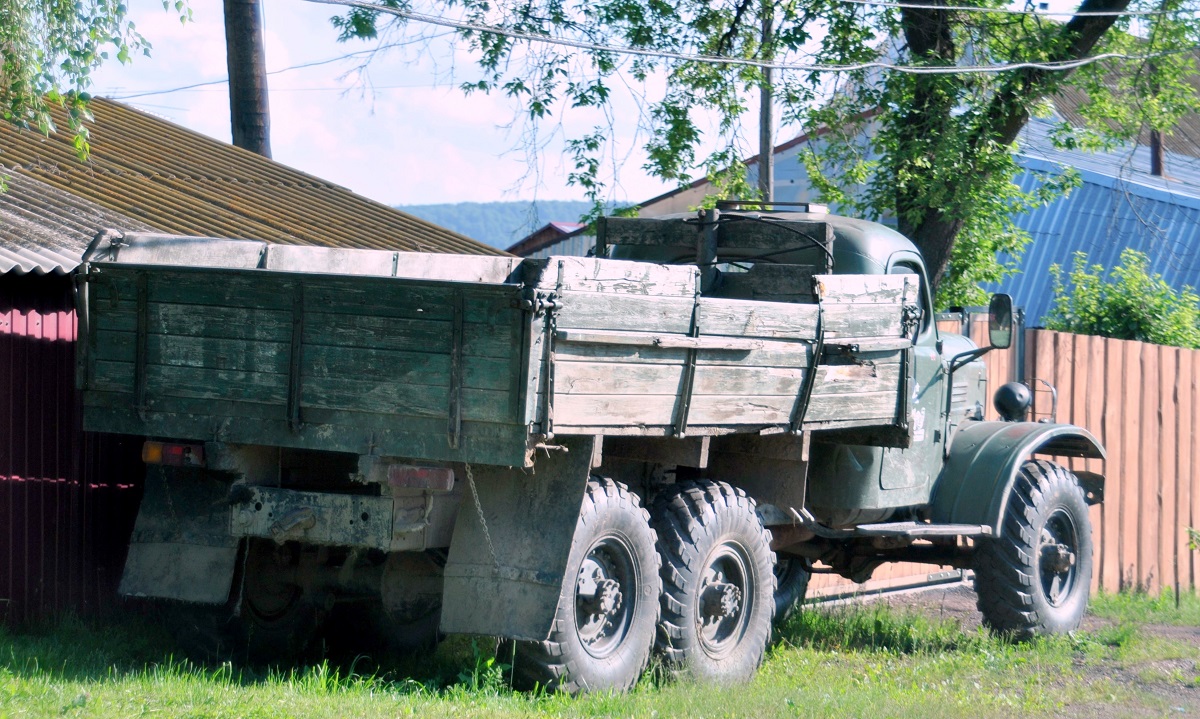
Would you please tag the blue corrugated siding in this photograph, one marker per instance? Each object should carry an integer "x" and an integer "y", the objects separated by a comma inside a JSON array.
[{"x": 1101, "y": 218}]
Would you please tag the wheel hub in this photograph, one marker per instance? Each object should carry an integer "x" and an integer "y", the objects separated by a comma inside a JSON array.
[
  {"x": 720, "y": 600},
  {"x": 602, "y": 616},
  {"x": 1056, "y": 558}
]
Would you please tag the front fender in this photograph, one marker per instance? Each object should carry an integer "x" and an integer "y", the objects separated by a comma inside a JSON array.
[{"x": 974, "y": 484}]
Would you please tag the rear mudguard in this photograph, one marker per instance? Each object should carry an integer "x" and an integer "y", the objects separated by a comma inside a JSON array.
[{"x": 974, "y": 485}]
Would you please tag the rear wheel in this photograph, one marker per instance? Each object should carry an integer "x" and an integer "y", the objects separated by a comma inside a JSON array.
[
  {"x": 604, "y": 626},
  {"x": 791, "y": 584},
  {"x": 1035, "y": 578},
  {"x": 718, "y": 584}
]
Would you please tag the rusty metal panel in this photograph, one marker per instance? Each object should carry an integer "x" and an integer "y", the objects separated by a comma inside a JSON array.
[{"x": 67, "y": 499}]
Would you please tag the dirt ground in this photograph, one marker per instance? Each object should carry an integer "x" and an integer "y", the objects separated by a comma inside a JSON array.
[{"x": 1151, "y": 679}]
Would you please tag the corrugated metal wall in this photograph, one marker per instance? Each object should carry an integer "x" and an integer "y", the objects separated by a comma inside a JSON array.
[{"x": 67, "y": 498}]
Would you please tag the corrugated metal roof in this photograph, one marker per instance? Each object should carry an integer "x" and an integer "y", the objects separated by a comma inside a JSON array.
[
  {"x": 1119, "y": 205},
  {"x": 44, "y": 230},
  {"x": 181, "y": 182}
]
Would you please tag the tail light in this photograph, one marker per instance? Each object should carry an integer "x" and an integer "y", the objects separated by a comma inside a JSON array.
[{"x": 173, "y": 454}]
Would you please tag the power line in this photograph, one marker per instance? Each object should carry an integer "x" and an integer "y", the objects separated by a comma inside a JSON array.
[
  {"x": 1011, "y": 11},
  {"x": 747, "y": 62},
  {"x": 315, "y": 63}
]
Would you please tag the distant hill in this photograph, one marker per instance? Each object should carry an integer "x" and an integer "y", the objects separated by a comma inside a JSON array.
[{"x": 499, "y": 224}]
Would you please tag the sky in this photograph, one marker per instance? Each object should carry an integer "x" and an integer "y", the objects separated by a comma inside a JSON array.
[{"x": 414, "y": 138}]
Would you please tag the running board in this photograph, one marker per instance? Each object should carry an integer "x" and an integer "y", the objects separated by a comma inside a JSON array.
[{"x": 905, "y": 530}]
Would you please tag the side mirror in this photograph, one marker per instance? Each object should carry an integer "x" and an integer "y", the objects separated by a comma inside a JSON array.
[{"x": 1000, "y": 321}]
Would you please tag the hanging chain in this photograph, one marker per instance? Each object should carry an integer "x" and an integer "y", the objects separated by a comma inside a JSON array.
[{"x": 487, "y": 536}]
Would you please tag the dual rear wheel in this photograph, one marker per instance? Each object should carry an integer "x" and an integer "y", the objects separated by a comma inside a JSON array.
[{"x": 692, "y": 579}]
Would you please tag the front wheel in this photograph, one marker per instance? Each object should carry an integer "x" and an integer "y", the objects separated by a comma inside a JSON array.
[
  {"x": 1035, "y": 577},
  {"x": 604, "y": 625},
  {"x": 718, "y": 582}
]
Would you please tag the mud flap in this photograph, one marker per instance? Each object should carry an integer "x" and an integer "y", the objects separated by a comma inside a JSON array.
[
  {"x": 181, "y": 547},
  {"x": 530, "y": 520}
]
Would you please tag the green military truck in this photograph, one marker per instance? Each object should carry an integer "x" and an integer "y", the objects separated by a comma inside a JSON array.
[{"x": 592, "y": 459}]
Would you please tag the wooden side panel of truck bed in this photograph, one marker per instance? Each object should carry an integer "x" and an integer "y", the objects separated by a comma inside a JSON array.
[{"x": 356, "y": 364}]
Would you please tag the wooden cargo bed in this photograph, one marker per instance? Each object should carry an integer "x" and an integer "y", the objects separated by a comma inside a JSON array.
[{"x": 468, "y": 358}]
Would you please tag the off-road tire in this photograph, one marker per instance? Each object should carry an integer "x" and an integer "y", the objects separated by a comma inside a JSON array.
[
  {"x": 609, "y": 653},
  {"x": 1025, "y": 587},
  {"x": 791, "y": 585},
  {"x": 711, "y": 538}
]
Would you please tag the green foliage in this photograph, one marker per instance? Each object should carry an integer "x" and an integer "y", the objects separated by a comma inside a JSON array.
[
  {"x": 1193, "y": 538},
  {"x": 49, "y": 50},
  {"x": 930, "y": 153},
  {"x": 1129, "y": 303}
]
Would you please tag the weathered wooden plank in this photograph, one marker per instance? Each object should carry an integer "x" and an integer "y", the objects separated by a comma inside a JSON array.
[
  {"x": 747, "y": 318},
  {"x": 1187, "y": 478},
  {"x": 585, "y": 310},
  {"x": 119, "y": 317},
  {"x": 852, "y": 406},
  {"x": 609, "y": 410},
  {"x": 220, "y": 322},
  {"x": 636, "y": 380},
  {"x": 383, "y": 298},
  {"x": 851, "y": 320},
  {"x": 1150, "y": 517},
  {"x": 656, "y": 339},
  {"x": 113, "y": 377},
  {"x": 402, "y": 367},
  {"x": 868, "y": 289},
  {"x": 200, "y": 408},
  {"x": 772, "y": 234},
  {"x": 216, "y": 353},
  {"x": 481, "y": 442},
  {"x": 1193, "y": 391},
  {"x": 773, "y": 354},
  {"x": 374, "y": 332},
  {"x": 329, "y": 260},
  {"x": 1112, "y": 431},
  {"x": 592, "y": 274},
  {"x": 768, "y": 283},
  {"x": 855, "y": 378},
  {"x": 411, "y": 400},
  {"x": 735, "y": 410},
  {"x": 684, "y": 451},
  {"x": 221, "y": 288},
  {"x": 1170, "y": 533},
  {"x": 456, "y": 268},
  {"x": 404, "y": 334},
  {"x": 204, "y": 383},
  {"x": 1131, "y": 497},
  {"x": 647, "y": 231}
]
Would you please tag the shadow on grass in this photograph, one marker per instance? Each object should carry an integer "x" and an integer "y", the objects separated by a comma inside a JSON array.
[{"x": 135, "y": 641}]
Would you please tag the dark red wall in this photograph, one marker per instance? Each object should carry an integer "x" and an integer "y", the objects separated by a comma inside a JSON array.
[{"x": 67, "y": 497}]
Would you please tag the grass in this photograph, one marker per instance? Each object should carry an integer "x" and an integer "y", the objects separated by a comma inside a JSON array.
[{"x": 852, "y": 661}]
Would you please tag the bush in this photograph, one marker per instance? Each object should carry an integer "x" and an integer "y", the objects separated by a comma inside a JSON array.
[{"x": 1129, "y": 303}]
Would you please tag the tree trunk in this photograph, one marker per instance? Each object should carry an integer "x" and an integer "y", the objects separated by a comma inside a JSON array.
[
  {"x": 249, "y": 108},
  {"x": 1008, "y": 112}
]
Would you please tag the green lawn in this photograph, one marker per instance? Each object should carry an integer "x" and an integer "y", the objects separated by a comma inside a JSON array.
[{"x": 827, "y": 663}]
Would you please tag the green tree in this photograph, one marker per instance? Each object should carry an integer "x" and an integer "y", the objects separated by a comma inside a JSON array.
[
  {"x": 925, "y": 140},
  {"x": 49, "y": 50},
  {"x": 1129, "y": 303}
]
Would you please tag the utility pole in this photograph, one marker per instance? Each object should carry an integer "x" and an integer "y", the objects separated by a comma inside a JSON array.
[
  {"x": 249, "y": 108},
  {"x": 766, "y": 112}
]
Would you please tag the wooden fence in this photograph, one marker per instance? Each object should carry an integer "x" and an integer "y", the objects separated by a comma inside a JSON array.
[{"x": 1142, "y": 402}]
